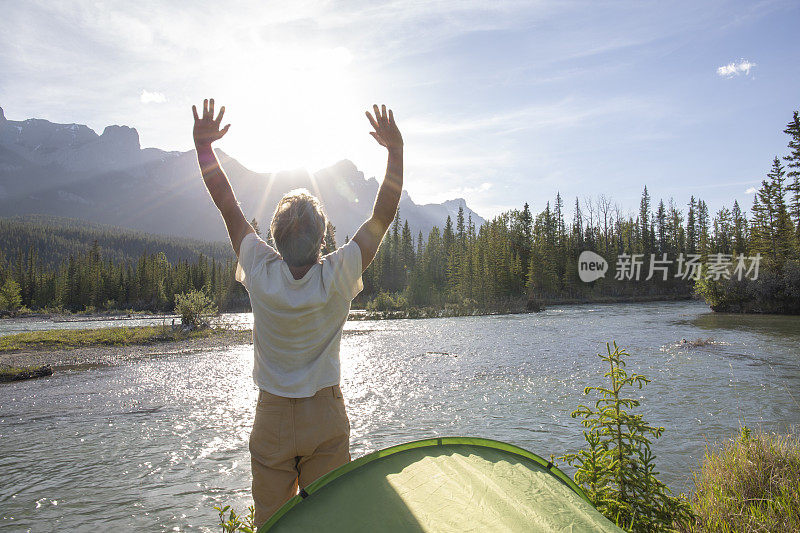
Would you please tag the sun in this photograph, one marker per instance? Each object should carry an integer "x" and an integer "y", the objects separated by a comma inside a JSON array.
[{"x": 296, "y": 109}]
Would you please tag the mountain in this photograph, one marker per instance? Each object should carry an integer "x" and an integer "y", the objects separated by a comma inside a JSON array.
[{"x": 68, "y": 170}]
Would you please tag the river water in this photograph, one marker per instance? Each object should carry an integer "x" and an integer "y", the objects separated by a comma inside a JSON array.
[{"x": 154, "y": 444}]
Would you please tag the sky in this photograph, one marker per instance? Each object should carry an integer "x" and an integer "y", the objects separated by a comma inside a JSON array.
[{"x": 500, "y": 102}]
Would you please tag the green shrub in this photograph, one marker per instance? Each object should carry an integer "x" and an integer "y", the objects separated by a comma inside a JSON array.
[
  {"x": 54, "y": 309},
  {"x": 750, "y": 484},
  {"x": 775, "y": 291},
  {"x": 10, "y": 296},
  {"x": 195, "y": 308},
  {"x": 617, "y": 469},
  {"x": 386, "y": 301}
]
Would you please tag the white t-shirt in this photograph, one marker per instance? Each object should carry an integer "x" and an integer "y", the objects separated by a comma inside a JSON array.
[{"x": 297, "y": 323}]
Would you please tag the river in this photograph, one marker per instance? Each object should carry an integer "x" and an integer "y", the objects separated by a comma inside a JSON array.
[{"x": 154, "y": 444}]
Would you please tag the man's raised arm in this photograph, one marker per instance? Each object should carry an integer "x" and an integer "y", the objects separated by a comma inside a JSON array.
[
  {"x": 206, "y": 131},
  {"x": 370, "y": 234}
]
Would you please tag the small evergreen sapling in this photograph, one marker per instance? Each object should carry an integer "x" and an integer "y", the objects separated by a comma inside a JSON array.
[
  {"x": 617, "y": 468},
  {"x": 233, "y": 523}
]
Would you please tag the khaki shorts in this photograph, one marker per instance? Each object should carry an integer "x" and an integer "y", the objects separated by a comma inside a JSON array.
[{"x": 295, "y": 441}]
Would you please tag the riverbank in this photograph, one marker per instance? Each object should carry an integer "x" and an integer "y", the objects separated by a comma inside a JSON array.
[
  {"x": 107, "y": 346},
  {"x": 516, "y": 306},
  {"x": 619, "y": 299},
  {"x": 14, "y": 373},
  {"x": 60, "y": 315},
  {"x": 508, "y": 308}
]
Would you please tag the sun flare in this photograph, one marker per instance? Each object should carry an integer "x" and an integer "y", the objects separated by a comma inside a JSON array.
[{"x": 293, "y": 110}]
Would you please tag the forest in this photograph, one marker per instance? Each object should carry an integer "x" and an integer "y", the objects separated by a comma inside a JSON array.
[
  {"x": 53, "y": 264},
  {"x": 519, "y": 256},
  {"x": 509, "y": 262}
]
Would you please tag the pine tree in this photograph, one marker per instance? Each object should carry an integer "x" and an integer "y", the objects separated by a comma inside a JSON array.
[
  {"x": 448, "y": 236},
  {"x": 406, "y": 251},
  {"x": 450, "y": 259},
  {"x": 691, "y": 228},
  {"x": 578, "y": 229},
  {"x": 618, "y": 469},
  {"x": 526, "y": 220},
  {"x": 255, "y": 226},
  {"x": 543, "y": 278},
  {"x": 760, "y": 235},
  {"x": 435, "y": 261},
  {"x": 469, "y": 259},
  {"x": 702, "y": 228},
  {"x": 739, "y": 229},
  {"x": 396, "y": 280},
  {"x": 644, "y": 223},
  {"x": 771, "y": 224},
  {"x": 723, "y": 232},
  {"x": 793, "y": 174},
  {"x": 329, "y": 242},
  {"x": 677, "y": 233},
  {"x": 460, "y": 227},
  {"x": 782, "y": 225},
  {"x": 661, "y": 227}
]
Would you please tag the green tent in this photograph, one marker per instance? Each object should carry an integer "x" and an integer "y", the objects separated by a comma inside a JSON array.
[{"x": 448, "y": 484}]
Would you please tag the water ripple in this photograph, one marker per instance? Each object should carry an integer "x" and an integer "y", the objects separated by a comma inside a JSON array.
[{"x": 154, "y": 444}]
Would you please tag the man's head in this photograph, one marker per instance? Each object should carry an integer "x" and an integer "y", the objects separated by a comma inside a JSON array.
[{"x": 298, "y": 227}]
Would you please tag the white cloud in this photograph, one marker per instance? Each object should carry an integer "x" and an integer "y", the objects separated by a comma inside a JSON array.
[
  {"x": 148, "y": 97},
  {"x": 735, "y": 68},
  {"x": 751, "y": 190},
  {"x": 524, "y": 136},
  {"x": 483, "y": 187}
]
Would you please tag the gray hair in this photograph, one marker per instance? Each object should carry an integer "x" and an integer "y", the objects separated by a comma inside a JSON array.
[{"x": 298, "y": 227}]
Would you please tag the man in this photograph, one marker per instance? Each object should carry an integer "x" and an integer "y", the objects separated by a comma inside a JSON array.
[{"x": 300, "y": 304}]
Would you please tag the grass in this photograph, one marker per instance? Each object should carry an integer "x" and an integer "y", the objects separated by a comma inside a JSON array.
[
  {"x": 751, "y": 484},
  {"x": 13, "y": 373},
  {"x": 65, "y": 339}
]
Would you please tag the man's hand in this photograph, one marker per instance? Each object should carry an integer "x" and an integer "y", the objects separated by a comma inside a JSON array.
[
  {"x": 369, "y": 235},
  {"x": 206, "y": 129},
  {"x": 386, "y": 132}
]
